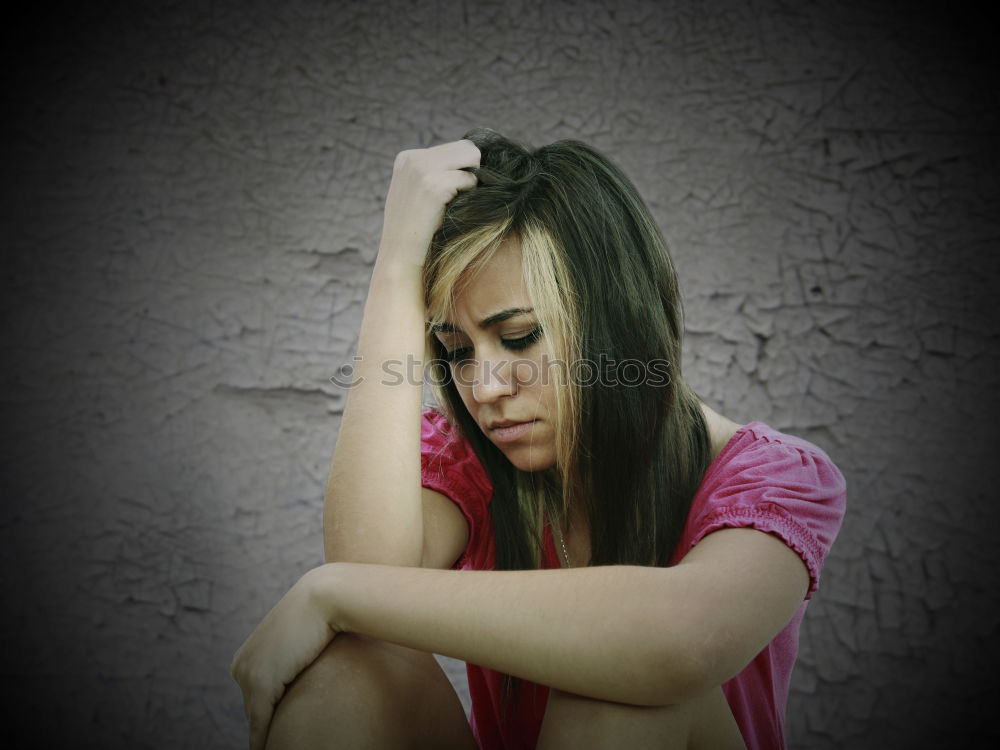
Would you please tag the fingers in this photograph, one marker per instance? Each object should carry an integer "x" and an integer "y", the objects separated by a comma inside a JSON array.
[
  {"x": 462, "y": 180},
  {"x": 259, "y": 713},
  {"x": 448, "y": 156},
  {"x": 260, "y": 722},
  {"x": 258, "y": 703},
  {"x": 438, "y": 173},
  {"x": 424, "y": 181},
  {"x": 457, "y": 154}
]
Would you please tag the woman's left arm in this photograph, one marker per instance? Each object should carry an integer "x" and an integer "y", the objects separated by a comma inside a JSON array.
[{"x": 630, "y": 634}]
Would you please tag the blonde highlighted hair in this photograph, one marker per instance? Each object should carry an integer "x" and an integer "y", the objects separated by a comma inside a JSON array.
[
  {"x": 603, "y": 286},
  {"x": 447, "y": 273}
]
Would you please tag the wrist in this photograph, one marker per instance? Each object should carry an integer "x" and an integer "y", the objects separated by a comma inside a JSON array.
[
  {"x": 408, "y": 248},
  {"x": 397, "y": 271},
  {"x": 324, "y": 586}
]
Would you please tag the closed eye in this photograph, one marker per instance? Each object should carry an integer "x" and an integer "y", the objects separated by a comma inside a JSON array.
[
  {"x": 515, "y": 345},
  {"x": 519, "y": 344}
]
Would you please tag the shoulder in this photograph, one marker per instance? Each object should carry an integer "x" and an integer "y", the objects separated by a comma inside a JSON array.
[
  {"x": 777, "y": 483},
  {"x": 440, "y": 441},
  {"x": 435, "y": 430},
  {"x": 448, "y": 462},
  {"x": 757, "y": 449}
]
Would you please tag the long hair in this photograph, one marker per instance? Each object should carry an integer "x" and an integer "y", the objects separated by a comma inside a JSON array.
[{"x": 632, "y": 445}]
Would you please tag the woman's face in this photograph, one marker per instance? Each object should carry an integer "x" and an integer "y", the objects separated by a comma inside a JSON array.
[{"x": 497, "y": 352}]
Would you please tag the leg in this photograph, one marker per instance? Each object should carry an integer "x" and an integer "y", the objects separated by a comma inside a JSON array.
[
  {"x": 365, "y": 693},
  {"x": 703, "y": 723}
]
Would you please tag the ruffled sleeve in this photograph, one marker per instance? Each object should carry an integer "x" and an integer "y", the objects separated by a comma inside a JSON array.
[
  {"x": 449, "y": 465},
  {"x": 778, "y": 484}
]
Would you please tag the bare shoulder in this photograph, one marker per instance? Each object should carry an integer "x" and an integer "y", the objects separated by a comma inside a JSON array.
[{"x": 721, "y": 429}]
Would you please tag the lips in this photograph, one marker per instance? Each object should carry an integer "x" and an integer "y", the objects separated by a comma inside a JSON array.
[
  {"x": 508, "y": 423},
  {"x": 506, "y": 431}
]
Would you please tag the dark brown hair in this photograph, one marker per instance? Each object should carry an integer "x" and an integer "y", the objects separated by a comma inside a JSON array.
[{"x": 605, "y": 289}]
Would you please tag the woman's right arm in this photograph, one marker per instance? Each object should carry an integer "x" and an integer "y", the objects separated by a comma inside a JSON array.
[{"x": 373, "y": 512}]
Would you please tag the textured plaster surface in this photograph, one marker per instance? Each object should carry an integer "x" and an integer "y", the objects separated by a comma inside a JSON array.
[{"x": 191, "y": 209}]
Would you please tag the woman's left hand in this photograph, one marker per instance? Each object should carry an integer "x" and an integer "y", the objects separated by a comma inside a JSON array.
[{"x": 285, "y": 642}]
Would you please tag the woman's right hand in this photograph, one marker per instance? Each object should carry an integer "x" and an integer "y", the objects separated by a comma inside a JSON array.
[{"x": 423, "y": 182}]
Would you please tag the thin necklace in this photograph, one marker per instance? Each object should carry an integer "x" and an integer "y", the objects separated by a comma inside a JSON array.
[{"x": 563, "y": 544}]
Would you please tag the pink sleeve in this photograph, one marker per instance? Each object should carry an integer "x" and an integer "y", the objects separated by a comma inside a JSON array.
[
  {"x": 792, "y": 491},
  {"x": 449, "y": 465}
]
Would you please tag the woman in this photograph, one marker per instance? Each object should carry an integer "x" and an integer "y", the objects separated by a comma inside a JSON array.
[{"x": 615, "y": 587}]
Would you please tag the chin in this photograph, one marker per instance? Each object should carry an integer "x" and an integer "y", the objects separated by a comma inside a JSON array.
[{"x": 527, "y": 459}]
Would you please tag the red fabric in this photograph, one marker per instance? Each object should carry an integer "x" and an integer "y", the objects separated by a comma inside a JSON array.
[{"x": 764, "y": 479}]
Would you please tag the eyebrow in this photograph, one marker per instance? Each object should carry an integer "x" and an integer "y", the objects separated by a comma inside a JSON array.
[{"x": 489, "y": 320}]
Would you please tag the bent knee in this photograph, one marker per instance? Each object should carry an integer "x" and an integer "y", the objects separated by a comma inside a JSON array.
[
  {"x": 363, "y": 692},
  {"x": 357, "y": 665}
]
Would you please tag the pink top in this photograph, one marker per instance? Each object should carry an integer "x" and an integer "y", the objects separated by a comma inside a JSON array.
[{"x": 762, "y": 478}]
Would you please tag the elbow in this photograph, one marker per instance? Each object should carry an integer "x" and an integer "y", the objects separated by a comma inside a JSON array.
[
  {"x": 686, "y": 678},
  {"x": 664, "y": 678},
  {"x": 684, "y": 670}
]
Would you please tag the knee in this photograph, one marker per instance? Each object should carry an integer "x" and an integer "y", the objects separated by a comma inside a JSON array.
[
  {"x": 358, "y": 689},
  {"x": 361, "y": 665}
]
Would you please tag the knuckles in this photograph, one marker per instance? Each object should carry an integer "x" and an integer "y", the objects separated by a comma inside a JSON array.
[
  {"x": 433, "y": 185},
  {"x": 403, "y": 159},
  {"x": 246, "y": 677},
  {"x": 421, "y": 172},
  {"x": 236, "y": 667},
  {"x": 412, "y": 164}
]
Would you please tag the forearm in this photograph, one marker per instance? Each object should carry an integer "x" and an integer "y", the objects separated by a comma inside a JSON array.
[
  {"x": 605, "y": 632},
  {"x": 373, "y": 510}
]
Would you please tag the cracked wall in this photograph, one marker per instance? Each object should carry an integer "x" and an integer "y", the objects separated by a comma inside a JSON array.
[{"x": 192, "y": 206}]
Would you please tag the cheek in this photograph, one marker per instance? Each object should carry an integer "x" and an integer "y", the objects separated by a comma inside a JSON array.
[
  {"x": 539, "y": 373},
  {"x": 527, "y": 372},
  {"x": 463, "y": 384},
  {"x": 463, "y": 376}
]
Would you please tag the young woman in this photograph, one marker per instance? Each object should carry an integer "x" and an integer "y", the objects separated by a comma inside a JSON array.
[{"x": 619, "y": 565}]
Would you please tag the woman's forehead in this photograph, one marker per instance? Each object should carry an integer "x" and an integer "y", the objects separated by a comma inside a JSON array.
[{"x": 498, "y": 284}]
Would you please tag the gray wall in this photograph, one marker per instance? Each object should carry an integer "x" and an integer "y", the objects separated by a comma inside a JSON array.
[{"x": 192, "y": 206}]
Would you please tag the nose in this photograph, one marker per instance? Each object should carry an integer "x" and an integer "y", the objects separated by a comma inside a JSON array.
[{"x": 494, "y": 379}]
